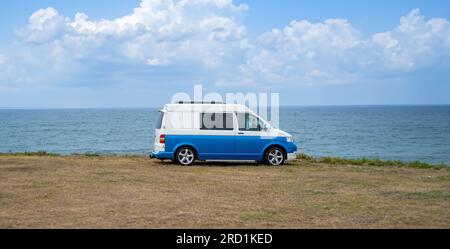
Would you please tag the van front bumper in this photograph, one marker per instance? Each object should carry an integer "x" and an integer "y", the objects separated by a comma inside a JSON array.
[
  {"x": 291, "y": 148},
  {"x": 291, "y": 156}
]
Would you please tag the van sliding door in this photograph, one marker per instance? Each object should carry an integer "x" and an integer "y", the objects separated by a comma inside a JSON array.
[{"x": 216, "y": 140}]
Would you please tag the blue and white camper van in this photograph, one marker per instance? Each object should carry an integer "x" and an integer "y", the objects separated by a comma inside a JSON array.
[{"x": 187, "y": 132}]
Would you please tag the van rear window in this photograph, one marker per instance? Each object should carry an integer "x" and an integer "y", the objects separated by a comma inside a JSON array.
[
  {"x": 159, "y": 121},
  {"x": 216, "y": 121}
]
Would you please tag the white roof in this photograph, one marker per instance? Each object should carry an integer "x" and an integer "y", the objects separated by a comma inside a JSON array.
[{"x": 206, "y": 108}]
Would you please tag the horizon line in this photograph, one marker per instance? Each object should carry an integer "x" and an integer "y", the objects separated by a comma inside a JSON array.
[{"x": 153, "y": 107}]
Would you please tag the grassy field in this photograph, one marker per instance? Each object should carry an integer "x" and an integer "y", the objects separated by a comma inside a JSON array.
[{"x": 88, "y": 191}]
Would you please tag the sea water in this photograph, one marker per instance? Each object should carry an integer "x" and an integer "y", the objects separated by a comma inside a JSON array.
[{"x": 405, "y": 133}]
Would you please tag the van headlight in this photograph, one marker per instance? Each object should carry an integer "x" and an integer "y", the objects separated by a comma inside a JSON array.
[{"x": 289, "y": 139}]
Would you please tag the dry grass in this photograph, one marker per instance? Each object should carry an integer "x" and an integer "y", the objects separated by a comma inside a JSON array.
[{"x": 136, "y": 192}]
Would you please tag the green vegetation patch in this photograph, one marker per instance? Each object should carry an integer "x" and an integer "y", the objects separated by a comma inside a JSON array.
[
  {"x": 4, "y": 195},
  {"x": 27, "y": 153},
  {"x": 436, "y": 195},
  {"x": 89, "y": 154},
  {"x": 262, "y": 214},
  {"x": 371, "y": 162}
]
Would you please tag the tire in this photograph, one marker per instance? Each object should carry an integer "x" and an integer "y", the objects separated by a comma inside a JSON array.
[
  {"x": 185, "y": 156},
  {"x": 275, "y": 156}
]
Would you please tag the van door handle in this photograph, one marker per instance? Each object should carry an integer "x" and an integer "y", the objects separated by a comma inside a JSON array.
[{"x": 241, "y": 133}]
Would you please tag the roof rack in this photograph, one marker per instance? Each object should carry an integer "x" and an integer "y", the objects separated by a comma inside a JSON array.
[{"x": 200, "y": 102}]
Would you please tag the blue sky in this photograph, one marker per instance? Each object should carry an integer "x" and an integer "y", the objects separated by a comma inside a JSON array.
[{"x": 85, "y": 53}]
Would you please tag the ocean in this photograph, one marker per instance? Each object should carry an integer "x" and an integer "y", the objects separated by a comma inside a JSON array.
[{"x": 404, "y": 133}]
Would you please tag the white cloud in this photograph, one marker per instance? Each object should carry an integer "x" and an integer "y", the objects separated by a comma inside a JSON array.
[
  {"x": 208, "y": 37},
  {"x": 2, "y": 60},
  {"x": 336, "y": 52},
  {"x": 415, "y": 44},
  {"x": 11, "y": 74},
  {"x": 3, "y": 67},
  {"x": 158, "y": 32},
  {"x": 43, "y": 26},
  {"x": 385, "y": 40},
  {"x": 303, "y": 52}
]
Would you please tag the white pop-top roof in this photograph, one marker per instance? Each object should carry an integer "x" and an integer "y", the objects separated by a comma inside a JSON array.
[{"x": 206, "y": 108}]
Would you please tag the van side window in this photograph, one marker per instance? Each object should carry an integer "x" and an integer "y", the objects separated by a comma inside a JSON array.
[
  {"x": 248, "y": 122},
  {"x": 216, "y": 121}
]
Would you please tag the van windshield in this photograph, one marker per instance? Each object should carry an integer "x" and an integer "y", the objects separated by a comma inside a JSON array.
[{"x": 159, "y": 120}]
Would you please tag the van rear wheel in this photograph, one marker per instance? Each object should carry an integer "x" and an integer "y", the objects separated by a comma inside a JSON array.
[
  {"x": 185, "y": 156},
  {"x": 275, "y": 156}
]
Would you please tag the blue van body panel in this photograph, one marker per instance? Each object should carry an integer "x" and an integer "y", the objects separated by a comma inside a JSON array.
[
  {"x": 207, "y": 146},
  {"x": 211, "y": 147}
]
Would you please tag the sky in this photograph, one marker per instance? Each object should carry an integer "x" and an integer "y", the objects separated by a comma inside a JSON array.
[{"x": 138, "y": 53}]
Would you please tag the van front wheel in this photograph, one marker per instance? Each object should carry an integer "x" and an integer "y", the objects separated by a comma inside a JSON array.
[
  {"x": 275, "y": 156},
  {"x": 185, "y": 156}
]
